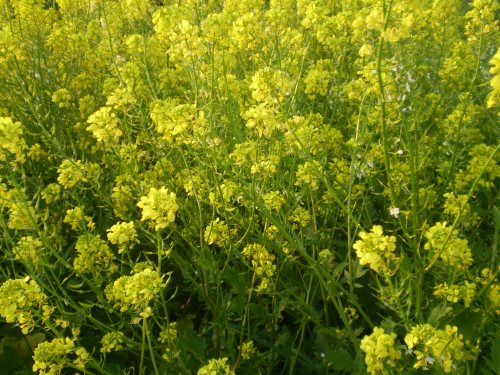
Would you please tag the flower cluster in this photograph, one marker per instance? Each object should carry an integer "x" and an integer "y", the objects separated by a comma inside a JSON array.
[
  {"x": 169, "y": 336},
  {"x": 93, "y": 255},
  {"x": 273, "y": 200},
  {"x": 11, "y": 141},
  {"x": 104, "y": 126},
  {"x": 22, "y": 301},
  {"x": 452, "y": 250},
  {"x": 247, "y": 349},
  {"x": 263, "y": 265},
  {"x": 376, "y": 250},
  {"x": 380, "y": 351},
  {"x": 454, "y": 293},
  {"x": 431, "y": 345},
  {"x": 494, "y": 297},
  {"x": 224, "y": 194},
  {"x": 61, "y": 97},
  {"x": 480, "y": 167},
  {"x": 308, "y": 174},
  {"x": 178, "y": 122},
  {"x": 144, "y": 135},
  {"x": 70, "y": 173},
  {"x": 124, "y": 235},
  {"x": 217, "y": 233},
  {"x": 216, "y": 367},
  {"x": 158, "y": 207},
  {"x": 494, "y": 96},
  {"x": 459, "y": 206},
  {"x": 135, "y": 292},
  {"x": 112, "y": 341},
  {"x": 29, "y": 250},
  {"x": 51, "y": 193},
  {"x": 77, "y": 219},
  {"x": 300, "y": 217},
  {"x": 21, "y": 214},
  {"x": 51, "y": 357}
]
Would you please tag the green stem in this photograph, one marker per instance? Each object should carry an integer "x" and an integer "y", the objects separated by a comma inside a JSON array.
[
  {"x": 143, "y": 346},
  {"x": 244, "y": 322},
  {"x": 387, "y": 162},
  {"x": 151, "y": 351}
]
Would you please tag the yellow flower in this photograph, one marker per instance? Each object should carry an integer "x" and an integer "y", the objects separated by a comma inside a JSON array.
[
  {"x": 216, "y": 367},
  {"x": 177, "y": 122},
  {"x": 494, "y": 297},
  {"x": 380, "y": 353},
  {"x": 77, "y": 219},
  {"x": 21, "y": 300},
  {"x": 376, "y": 250},
  {"x": 11, "y": 140},
  {"x": 494, "y": 96},
  {"x": 273, "y": 200},
  {"x": 51, "y": 357},
  {"x": 61, "y": 97},
  {"x": 263, "y": 264},
  {"x": 104, "y": 126},
  {"x": 112, "y": 341},
  {"x": 308, "y": 174},
  {"x": 93, "y": 254},
  {"x": 365, "y": 50},
  {"x": 247, "y": 350},
  {"x": 30, "y": 250},
  {"x": 299, "y": 217},
  {"x": 270, "y": 86},
  {"x": 217, "y": 233},
  {"x": 318, "y": 78},
  {"x": 124, "y": 235},
  {"x": 159, "y": 207},
  {"x": 431, "y": 345},
  {"x": 453, "y": 250},
  {"x": 70, "y": 173},
  {"x": 135, "y": 292}
]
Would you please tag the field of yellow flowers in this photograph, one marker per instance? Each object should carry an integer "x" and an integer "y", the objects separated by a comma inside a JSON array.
[{"x": 249, "y": 187}]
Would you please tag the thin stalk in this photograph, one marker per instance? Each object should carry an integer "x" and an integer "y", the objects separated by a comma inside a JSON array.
[
  {"x": 244, "y": 322},
  {"x": 380, "y": 48},
  {"x": 143, "y": 346},
  {"x": 151, "y": 351}
]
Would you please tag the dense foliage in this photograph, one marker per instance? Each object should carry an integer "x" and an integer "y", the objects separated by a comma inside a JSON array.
[{"x": 250, "y": 186}]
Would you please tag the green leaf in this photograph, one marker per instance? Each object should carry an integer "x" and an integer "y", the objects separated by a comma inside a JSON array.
[
  {"x": 468, "y": 323},
  {"x": 388, "y": 325},
  {"x": 191, "y": 348},
  {"x": 340, "y": 359},
  {"x": 438, "y": 313},
  {"x": 493, "y": 361},
  {"x": 16, "y": 352},
  {"x": 235, "y": 279}
]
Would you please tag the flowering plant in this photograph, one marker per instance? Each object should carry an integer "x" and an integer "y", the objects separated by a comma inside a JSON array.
[{"x": 249, "y": 186}]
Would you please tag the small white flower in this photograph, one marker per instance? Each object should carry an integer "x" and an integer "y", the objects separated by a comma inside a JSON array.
[
  {"x": 119, "y": 59},
  {"x": 394, "y": 211},
  {"x": 430, "y": 360},
  {"x": 400, "y": 152}
]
